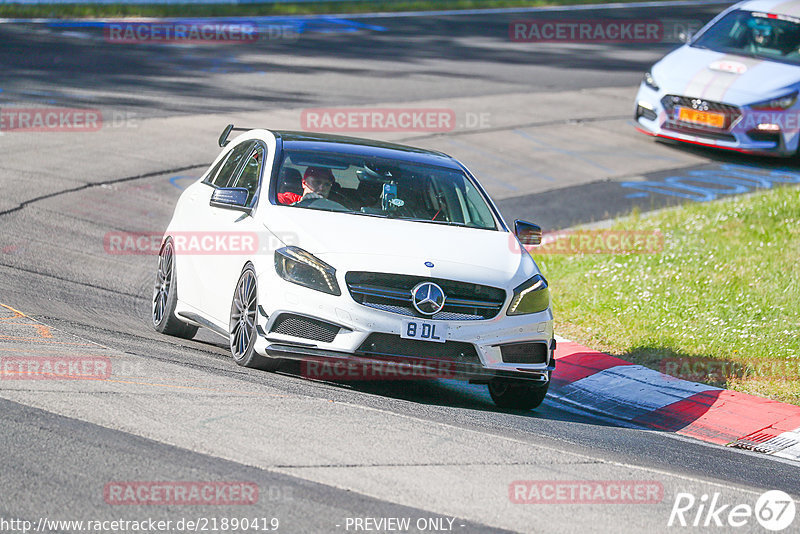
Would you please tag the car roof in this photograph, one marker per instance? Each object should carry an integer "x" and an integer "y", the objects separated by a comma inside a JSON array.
[
  {"x": 293, "y": 140},
  {"x": 778, "y": 7}
]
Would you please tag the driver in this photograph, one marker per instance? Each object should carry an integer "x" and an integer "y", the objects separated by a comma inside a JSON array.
[
  {"x": 762, "y": 35},
  {"x": 317, "y": 182}
]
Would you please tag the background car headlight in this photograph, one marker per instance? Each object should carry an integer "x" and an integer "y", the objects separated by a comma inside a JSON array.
[
  {"x": 650, "y": 82},
  {"x": 531, "y": 297},
  {"x": 295, "y": 265},
  {"x": 782, "y": 102}
]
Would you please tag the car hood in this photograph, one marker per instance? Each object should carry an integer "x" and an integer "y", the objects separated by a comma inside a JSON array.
[
  {"x": 355, "y": 242},
  {"x": 716, "y": 76}
]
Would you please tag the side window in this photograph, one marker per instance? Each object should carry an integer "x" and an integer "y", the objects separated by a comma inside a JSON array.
[
  {"x": 248, "y": 178},
  {"x": 231, "y": 164},
  {"x": 212, "y": 174}
]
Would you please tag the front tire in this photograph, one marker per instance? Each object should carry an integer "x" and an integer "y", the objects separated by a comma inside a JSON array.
[
  {"x": 517, "y": 394},
  {"x": 165, "y": 297},
  {"x": 243, "y": 321}
]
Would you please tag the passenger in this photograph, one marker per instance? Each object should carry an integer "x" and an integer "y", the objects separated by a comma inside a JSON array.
[{"x": 317, "y": 182}]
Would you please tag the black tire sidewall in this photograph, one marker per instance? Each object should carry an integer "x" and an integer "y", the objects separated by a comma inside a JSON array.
[
  {"x": 249, "y": 358},
  {"x": 169, "y": 323},
  {"x": 519, "y": 394}
]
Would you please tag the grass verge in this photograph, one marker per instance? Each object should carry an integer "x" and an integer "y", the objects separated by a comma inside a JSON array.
[
  {"x": 719, "y": 304},
  {"x": 261, "y": 9}
]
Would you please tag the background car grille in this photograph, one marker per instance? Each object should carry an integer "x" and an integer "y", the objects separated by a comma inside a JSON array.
[
  {"x": 732, "y": 114},
  {"x": 392, "y": 293},
  {"x": 387, "y": 345},
  {"x": 305, "y": 327}
]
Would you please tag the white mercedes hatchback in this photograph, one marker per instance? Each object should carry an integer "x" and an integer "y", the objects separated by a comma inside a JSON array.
[{"x": 357, "y": 256}]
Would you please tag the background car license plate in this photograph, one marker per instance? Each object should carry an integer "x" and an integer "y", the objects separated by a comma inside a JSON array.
[
  {"x": 424, "y": 331},
  {"x": 706, "y": 118}
]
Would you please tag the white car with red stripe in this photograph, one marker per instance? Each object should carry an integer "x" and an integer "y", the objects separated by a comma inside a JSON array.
[{"x": 733, "y": 86}]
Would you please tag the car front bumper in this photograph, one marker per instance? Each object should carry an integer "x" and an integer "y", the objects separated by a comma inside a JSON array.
[
  {"x": 743, "y": 135},
  {"x": 471, "y": 350}
]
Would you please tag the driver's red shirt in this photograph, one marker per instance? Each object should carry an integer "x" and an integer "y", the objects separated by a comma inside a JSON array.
[{"x": 289, "y": 197}]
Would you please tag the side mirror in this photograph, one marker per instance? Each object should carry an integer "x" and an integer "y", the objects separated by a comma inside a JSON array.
[
  {"x": 232, "y": 198},
  {"x": 528, "y": 233}
]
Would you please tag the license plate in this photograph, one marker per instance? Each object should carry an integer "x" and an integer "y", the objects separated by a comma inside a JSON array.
[
  {"x": 424, "y": 331},
  {"x": 706, "y": 118}
]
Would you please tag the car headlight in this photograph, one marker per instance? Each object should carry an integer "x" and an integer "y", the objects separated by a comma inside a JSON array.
[
  {"x": 779, "y": 103},
  {"x": 295, "y": 265},
  {"x": 650, "y": 82},
  {"x": 531, "y": 297}
]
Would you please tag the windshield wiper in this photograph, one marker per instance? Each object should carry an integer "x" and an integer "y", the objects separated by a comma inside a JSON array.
[{"x": 448, "y": 223}]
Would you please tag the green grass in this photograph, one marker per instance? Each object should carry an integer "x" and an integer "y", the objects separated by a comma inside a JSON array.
[
  {"x": 301, "y": 8},
  {"x": 724, "y": 289}
]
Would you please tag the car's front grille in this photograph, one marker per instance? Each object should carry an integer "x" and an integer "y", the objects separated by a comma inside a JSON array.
[
  {"x": 392, "y": 292},
  {"x": 305, "y": 327},
  {"x": 390, "y": 345},
  {"x": 670, "y": 102}
]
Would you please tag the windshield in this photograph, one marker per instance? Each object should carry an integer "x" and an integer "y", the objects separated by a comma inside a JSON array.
[
  {"x": 382, "y": 188},
  {"x": 754, "y": 34}
]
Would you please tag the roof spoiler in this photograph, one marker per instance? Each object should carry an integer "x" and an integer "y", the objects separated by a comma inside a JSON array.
[{"x": 223, "y": 139}]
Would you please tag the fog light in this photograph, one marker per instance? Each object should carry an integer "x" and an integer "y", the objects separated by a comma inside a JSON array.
[
  {"x": 643, "y": 109},
  {"x": 768, "y": 127}
]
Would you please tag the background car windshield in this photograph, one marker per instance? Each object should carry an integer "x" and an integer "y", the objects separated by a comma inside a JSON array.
[
  {"x": 390, "y": 188},
  {"x": 755, "y": 34}
]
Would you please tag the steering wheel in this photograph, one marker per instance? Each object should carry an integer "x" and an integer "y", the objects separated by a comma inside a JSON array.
[{"x": 320, "y": 203}]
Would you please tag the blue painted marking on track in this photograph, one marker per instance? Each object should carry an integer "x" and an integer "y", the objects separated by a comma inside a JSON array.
[
  {"x": 704, "y": 185},
  {"x": 175, "y": 179}
]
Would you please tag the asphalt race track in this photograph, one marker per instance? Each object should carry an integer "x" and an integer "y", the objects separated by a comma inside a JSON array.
[{"x": 547, "y": 129}]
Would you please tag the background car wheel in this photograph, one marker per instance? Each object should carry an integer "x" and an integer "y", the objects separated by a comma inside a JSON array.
[
  {"x": 519, "y": 394},
  {"x": 243, "y": 334},
  {"x": 165, "y": 297}
]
